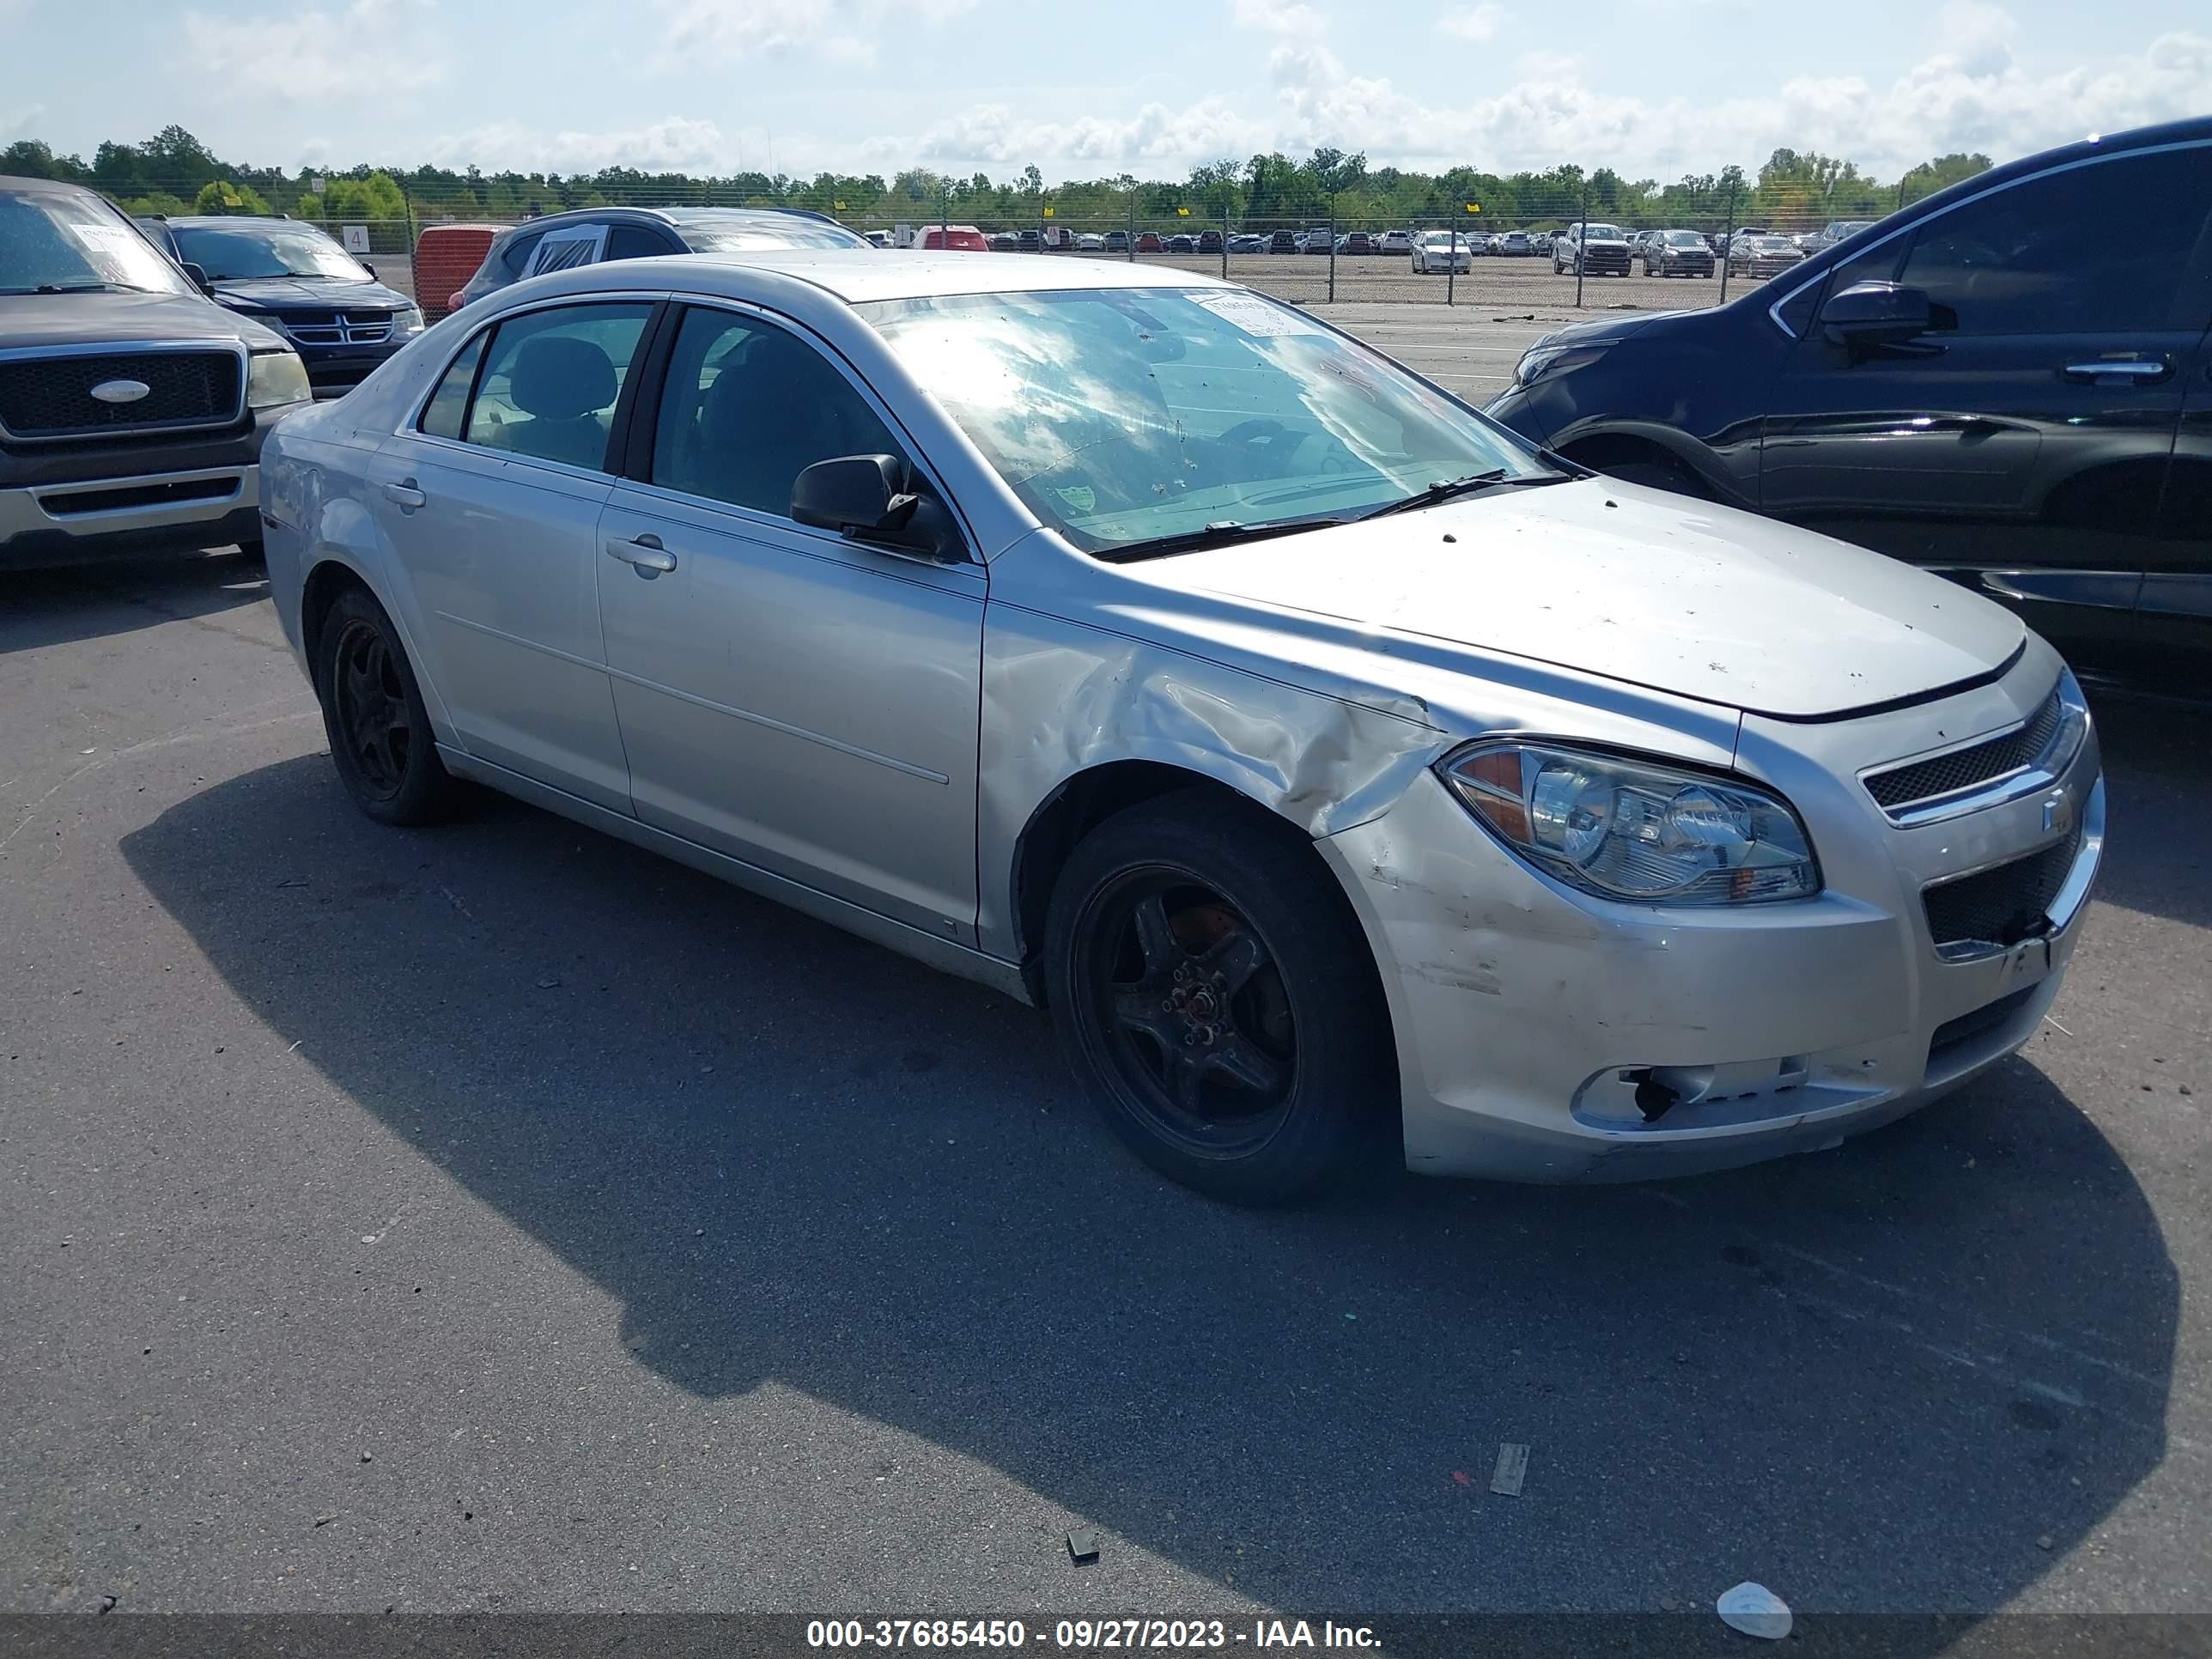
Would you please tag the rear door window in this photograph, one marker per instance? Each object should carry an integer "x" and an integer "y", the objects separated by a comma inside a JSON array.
[
  {"x": 569, "y": 247},
  {"x": 638, "y": 242},
  {"x": 551, "y": 379}
]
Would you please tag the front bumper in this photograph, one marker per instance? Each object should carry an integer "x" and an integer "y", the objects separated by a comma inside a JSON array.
[
  {"x": 1527, "y": 1015},
  {"x": 115, "y": 518}
]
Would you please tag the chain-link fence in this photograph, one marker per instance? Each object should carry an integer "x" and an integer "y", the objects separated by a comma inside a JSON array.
[{"x": 1684, "y": 246}]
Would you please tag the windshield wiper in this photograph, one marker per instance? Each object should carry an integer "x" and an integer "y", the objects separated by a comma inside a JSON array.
[
  {"x": 1220, "y": 533},
  {"x": 1474, "y": 484},
  {"x": 76, "y": 287}
]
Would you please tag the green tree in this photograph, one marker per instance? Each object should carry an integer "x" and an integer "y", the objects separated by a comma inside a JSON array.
[
  {"x": 224, "y": 196},
  {"x": 1941, "y": 174}
]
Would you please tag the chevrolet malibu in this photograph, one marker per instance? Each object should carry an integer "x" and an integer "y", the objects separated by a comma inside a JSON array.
[{"x": 1340, "y": 770}]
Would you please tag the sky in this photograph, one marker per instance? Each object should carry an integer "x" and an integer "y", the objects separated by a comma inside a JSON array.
[{"x": 1655, "y": 88}]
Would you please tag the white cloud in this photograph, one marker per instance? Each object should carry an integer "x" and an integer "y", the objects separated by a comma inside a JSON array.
[
  {"x": 996, "y": 136},
  {"x": 730, "y": 30},
  {"x": 1970, "y": 94},
  {"x": 374, "y": 47},
  {"x": 1471, "y": 22},
  {"x": 1275, "y": 17},
  {"x": 674, "y": 145}
]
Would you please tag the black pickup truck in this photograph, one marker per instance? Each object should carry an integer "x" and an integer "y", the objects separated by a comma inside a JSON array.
[{"x": 132, "y": 407}]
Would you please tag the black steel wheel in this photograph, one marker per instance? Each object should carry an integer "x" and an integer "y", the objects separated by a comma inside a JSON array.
[
  {"x": 1218, "y": 997},
  {"x": 373, "y": 713}
]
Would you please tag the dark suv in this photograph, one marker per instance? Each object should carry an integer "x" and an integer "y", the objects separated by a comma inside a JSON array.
[
  {"x": 293, "y": 279},
  {"x": 131, "y": 406},
  {"x": 587, "y": 236},
  {"x": 1988, "y": 383}
]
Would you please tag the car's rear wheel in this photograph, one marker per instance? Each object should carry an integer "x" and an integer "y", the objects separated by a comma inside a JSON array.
[
  {"x": 379, "y": 733},
  {"x": 1216, "y": 995}
]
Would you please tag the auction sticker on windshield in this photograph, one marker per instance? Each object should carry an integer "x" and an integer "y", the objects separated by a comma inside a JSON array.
[{"x": 1256, "y": 316}]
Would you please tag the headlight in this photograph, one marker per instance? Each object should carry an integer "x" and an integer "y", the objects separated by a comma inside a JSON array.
[
  {"x": 1634, "y": 830},
  {"x": 407, "y": 320},
  {"x": 277, "y": 377},
  {"x": 1540, "y": 359}
]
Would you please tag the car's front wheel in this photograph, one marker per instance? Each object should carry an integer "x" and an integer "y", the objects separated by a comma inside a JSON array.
[
  {"x": 1215, "y": 994},
  {"x": 373, "y": 713}
]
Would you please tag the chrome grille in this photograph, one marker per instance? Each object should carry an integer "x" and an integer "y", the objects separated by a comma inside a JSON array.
[
  {"x": 1902, "y": 787},
  {"x": 46, "y": 397},
  {"x": 337, "y": 327},
  {"x": 2005, "y": 903}
]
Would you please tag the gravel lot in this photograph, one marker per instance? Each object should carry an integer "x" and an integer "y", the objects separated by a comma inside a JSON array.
[{"x": 498, "y": 1218}]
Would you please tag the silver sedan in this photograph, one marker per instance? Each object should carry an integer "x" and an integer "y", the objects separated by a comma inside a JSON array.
[{"x": 1340, "y": 772}]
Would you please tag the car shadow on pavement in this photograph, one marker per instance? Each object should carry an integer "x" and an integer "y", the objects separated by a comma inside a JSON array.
[
  {"x": 89, "y": 602},
  {"x": 2158, "y": 766},
  {"x": 1896, "y": 1376}
]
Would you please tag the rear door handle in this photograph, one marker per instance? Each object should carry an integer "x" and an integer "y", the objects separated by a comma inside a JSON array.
[
  {"x": 406, "y": 492},
  {"x": 643, "y": 554},
  {"x": 2140, "y": 370}
]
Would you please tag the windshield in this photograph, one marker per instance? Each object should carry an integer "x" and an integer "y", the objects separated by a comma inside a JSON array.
[
  {"x": 1684, "y": 239},
  {"x": 1602, "y": 234},
  {"x": 751, "y": 239},
  {"x": 243, "y": 253},
  {"x": 1124, "y": 415},
  {"x": 64, "y": 243}
]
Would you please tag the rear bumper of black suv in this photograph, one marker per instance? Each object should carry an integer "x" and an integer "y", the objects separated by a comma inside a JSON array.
[{"x": 76, "y": 504}]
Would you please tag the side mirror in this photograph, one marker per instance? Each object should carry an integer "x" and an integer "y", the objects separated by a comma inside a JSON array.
[
  {"x": 368, "y": 267},
  {"x": 865, "y": 498},
  {"x": 1869, "y": 315},
  {"x": 198, "y": 273}
]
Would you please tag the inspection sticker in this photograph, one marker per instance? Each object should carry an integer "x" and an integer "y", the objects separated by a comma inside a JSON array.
[{"x": 1257, "y": 316}]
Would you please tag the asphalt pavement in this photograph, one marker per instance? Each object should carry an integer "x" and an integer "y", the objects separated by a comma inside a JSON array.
[{"x": 498, "y": 1218}]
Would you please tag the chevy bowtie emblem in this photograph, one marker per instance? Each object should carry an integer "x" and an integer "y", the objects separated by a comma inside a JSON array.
[
  {"x": 2058, "y": 813},
  {"x": 121, "y": 392}
]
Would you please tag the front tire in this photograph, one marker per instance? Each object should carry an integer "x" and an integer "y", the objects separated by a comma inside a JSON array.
[
  {"x": 373, "y": 713},
  {"x": 1215, "y": 994}
]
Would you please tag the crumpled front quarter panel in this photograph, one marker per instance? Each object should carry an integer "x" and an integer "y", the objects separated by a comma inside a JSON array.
[{"x": 1062, "y": 696}]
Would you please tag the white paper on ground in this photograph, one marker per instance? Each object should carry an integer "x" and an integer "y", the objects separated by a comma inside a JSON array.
[{"x": 1756, "y": 1611}]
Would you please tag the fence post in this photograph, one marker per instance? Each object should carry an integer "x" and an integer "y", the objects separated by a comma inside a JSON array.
[
  {"x": 1728, "y": 243},
  {"x": 1451, "y": 262},
  {"x": 1224, "y": 239},
  {"x": 944, "y": 221},
  {"x": 1332, "y": 250},
  {"x": 1131, "y": 249},
  {"x": 409, "y": 201},
  {"x": 1582, "y": 241},
  {"x": 1040, "y": 224}
]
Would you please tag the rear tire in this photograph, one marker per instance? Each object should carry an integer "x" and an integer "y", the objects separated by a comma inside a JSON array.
[
  {"x": 373, "y": 713},
  {"x": 1216, "y": 996}
]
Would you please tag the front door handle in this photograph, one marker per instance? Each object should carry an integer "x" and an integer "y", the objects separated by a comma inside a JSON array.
[
  {"x": 406, "y": 492},
  {"x": 2142, "y": 371},
  {"x": 643, "y": 554}
]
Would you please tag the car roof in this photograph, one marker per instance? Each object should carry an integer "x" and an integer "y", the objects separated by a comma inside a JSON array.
[
  {"x": 858, "y": 277},
  {"x": 14, "y": 185},
  {"x": 234, "y": 220},
  {"x": 672, "y": 216}
]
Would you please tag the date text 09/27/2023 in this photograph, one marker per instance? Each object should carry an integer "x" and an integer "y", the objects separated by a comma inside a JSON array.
[{"x": 1087, "y": 1634}]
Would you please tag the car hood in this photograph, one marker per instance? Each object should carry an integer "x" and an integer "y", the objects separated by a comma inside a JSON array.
[
  {"x": 1610, "y": 330},
  {"x": 282, "y": 293},
  {"x": 1634, "y": 585},
  {"x": 93, "y": 319}
]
